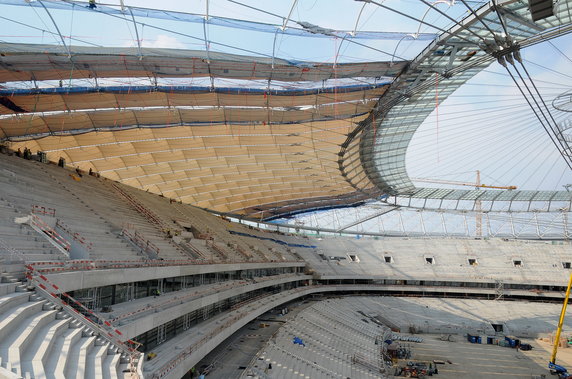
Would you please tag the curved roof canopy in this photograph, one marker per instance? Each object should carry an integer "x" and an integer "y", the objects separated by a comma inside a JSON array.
[
  {"x": 328, "y": 135},
  {"x": 251, "y": 151}
]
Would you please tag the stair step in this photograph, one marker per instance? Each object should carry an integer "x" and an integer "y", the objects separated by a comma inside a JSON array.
[
  {"x": 13, "y": 299},
  {"x": 25, "y": 335},
  {"x": 57, "y": 363},
  {"x": 36, "y": 355},
  {"x": 76, "y": 366},
  {"x": 11, "y": 318},
  {"x": 95, "y": 358}
]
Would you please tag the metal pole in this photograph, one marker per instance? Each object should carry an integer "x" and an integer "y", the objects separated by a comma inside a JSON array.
[{"x": 58, "y": 29}]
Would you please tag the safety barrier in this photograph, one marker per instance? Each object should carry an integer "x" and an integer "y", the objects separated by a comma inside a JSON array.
[
  {"x": 88, "y": 265},
  {"x": 169, "y": 366},
  {"x": 217, "y": 249},
  {"x": 9, "y": 254},
  {"x": 245, "y": 253},
  {"x": 37, "y": 209},
  {"x": 138, "y": 240},
  {"x": 50, "y": 232},
  {"x": 194, "y": 250},
  {"x": 178, "y": 299},
  {"x": 361, "y": 359},
  {"x": 139, "y": 207},
  {"x": 75, "y": 235},
  {"x": 83, "y": 314}
]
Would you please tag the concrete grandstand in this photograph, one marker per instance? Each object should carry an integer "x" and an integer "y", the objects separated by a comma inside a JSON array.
[{"x": 146, "y": 196}]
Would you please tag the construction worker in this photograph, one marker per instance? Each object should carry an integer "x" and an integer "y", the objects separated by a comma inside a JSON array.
[{"x": 92, "y": 4}]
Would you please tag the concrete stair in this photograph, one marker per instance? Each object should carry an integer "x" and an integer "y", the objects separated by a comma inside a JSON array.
[{"x": 38, "y": 340}]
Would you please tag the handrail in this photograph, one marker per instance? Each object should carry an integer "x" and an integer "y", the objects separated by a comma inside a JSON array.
[
  {"x": 199, "y": 294},
  {"x": 75, "y": 235},
  {"x": 90, "y": 265},
  {"x": 213, "y": 245},
  {"x": 139, "y": 207},
  {"x": 82, "y": 314},
  {"x": 169, "y": 366},
  {"x": 37, "y": 209},
  {"x": 10, "y": 250},
  {"x": 194, "y": 250},
  {"x": 50, "y": 232},
  {"x": 138, "y": 240},
  {"x": 368, "y": 363}
]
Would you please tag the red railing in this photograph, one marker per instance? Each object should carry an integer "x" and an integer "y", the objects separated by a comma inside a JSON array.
[
  {"x": 81, "y": 313},
  {"x": 217, "y": 249},
  {"x": 194, "y": 250},
  {"x": 245, "y": 253},
  {"x": 88, "y": 265},
  {"x": 141, "y": 242},
  {"x": 169, "y": 366},
  {"x": 176, "y": 300},
  {"x": 36, "y": 209},
  {"x": 139, "y": 207},
  {"x": 50, "y": 232},
  {"x": 75, "y": 235}
]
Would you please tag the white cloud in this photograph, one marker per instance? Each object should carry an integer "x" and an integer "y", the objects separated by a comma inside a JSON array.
[{"x": 164, "y": 40}]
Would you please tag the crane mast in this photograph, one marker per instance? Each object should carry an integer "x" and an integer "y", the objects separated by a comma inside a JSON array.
[{"x": 478, "y": 204}]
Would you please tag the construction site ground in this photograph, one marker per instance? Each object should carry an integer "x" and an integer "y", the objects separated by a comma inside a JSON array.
[{"x": 476, "y": 361}]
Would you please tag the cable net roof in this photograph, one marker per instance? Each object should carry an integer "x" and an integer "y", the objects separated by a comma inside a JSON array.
[
  {"x": 246, "y": 150},
  {"x": 263, "y": 116}
]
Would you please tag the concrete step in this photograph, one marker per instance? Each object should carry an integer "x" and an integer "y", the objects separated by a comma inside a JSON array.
[
  {"x": 26, "y": 335},
  {"x": 77, "y": 358},
  {"x": 57, "y": 359},
  {"x": 35, "y": 357},
  {"x": 14, "y": 315},
  {"x": 6, "y": 288},
  {"x": 94, "y": 363},
  {"x": 111, "y": 366}
]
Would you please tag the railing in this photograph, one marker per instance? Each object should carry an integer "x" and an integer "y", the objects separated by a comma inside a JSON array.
[
  {"x": 75, "y": 235},
  {"x": 176, "y": 300},
  {"x": 217, "y": 249},
  {"x": 139, "y": 207},
  {"x": 9, "y": 254},
  {"x": 50, "y": 232},
  {"x": 169, "y": 366},
  {"x": 88, "y": 265},
  {"x": 39, "y": 210},
  {"x": 140, "y": 241},
  {"x": 245, "y": 253},
  {"x": 362, "y": 360},
  {"x": 82, "y": 314},
  {"x": 193, "y": 250}
]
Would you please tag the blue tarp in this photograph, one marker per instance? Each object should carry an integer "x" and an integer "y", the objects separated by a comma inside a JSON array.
[{"x": 188, "y": 89}]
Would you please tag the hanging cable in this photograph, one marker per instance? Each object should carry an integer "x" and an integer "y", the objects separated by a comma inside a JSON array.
[
  {"x": 418, "y": 20},
  {"x": 452, "y": 19},
  {"x": 507, "y": 51}
]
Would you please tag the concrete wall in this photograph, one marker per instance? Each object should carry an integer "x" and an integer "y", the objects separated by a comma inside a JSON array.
[
  {"x": 149, "y": 321},
  {"x": 70, "y": 281},
  {"x": 541, "y": 261}
]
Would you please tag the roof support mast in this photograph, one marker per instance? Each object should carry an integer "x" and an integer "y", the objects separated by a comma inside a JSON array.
[{"x": 57, "y": 28}]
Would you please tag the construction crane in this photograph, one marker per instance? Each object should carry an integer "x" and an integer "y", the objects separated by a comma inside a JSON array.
[
  {"x": 477, "y": 184},
  {"x": 552, "y": 366}
]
